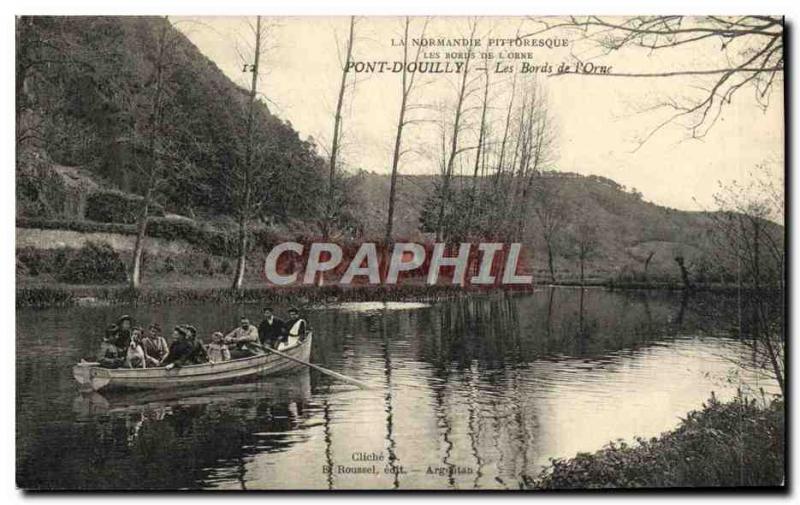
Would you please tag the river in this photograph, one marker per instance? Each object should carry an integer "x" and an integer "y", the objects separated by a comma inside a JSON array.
[{"x": 470, "y": 394}]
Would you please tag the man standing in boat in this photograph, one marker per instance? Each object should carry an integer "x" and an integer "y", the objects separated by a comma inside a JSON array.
[
  {"x": 241, "y": 336},
  {"x": 272, "y": 330},
  {"x": 296, "y": 328}
]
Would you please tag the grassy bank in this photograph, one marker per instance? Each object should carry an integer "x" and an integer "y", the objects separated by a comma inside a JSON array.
[
  {"x": 740, "y": 443},
  {"x": 65, "y": 296}
]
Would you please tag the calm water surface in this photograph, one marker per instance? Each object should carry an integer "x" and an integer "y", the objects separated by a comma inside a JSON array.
[{"x": 470, "y": 394}]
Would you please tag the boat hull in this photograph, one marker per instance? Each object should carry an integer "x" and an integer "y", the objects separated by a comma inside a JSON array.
[{"x": 91, "y": 377}]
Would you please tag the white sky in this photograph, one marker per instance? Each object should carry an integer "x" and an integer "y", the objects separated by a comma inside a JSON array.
[{"x": 596, "y": 117}]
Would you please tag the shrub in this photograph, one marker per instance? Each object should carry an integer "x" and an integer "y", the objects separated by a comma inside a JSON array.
[
  {"x": 109, "y": 206},
  {"x": 94, "y": 264},
  {"x": 32, "y": 261},
  {"x": 724, "y": 445},
  {"x": 44, "y": 297}
]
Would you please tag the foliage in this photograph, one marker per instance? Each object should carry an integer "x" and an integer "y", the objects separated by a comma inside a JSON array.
[
  {"x": 56, "y": 296},
  {"x": 112, "y": 206},
  {"x": 94, "y": 264},
  {"x": 44, "y": 297},
  {"x": 86, "y": 82},
  {"x": 739, "y": 443}
]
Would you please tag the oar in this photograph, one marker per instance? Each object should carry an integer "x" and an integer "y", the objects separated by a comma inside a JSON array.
[{"x": 335, "y": 375}]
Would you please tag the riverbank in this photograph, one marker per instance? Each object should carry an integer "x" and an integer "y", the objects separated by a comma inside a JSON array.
[
  {"x": 734, "y": 444},
  {"x": 67, "y": 296}
]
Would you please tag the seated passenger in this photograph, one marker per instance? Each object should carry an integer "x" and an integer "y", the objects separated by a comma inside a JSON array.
[
  {"x": 135, "y": 356},
  {"x": 180, "y": 350},
  {"x": 271, "y": 331},
  {"x": 124, "y": 330},
  {"x": 244, "y": 338},
  {"x": 155, "y": 345},
  {"x": 109, "y": 355},
  {"x": 296, "y": 327},
  {"x": 199, "y": 354},
  {"x": 217, "y": 350}
]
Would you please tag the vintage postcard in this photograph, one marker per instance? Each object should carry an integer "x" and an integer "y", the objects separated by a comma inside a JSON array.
[{"x": 400, "y": 253}]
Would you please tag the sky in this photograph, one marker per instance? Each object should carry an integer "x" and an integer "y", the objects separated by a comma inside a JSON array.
[{"x": 597, "y": 119}]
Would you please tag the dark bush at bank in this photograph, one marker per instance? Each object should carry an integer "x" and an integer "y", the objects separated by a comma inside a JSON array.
[
  {"x": 740, "y": 443},
  {"x": 111, "y": 206}
]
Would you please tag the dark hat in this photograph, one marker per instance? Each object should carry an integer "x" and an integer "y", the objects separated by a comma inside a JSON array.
[
  {"x": 111, "y": 330},
  {"x": 294, "y": 309},
  {"x": 191, "y": 329},
  {"x": 156, "y": 327},
  {"x": 180, "y": 329},
  {"x": 125, "y": 317},
  {"x": 267, "y": 308}
]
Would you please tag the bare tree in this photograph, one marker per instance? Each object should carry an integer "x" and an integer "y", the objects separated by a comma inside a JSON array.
[
  {"x": 245, "y": 179},
  {"x": 586, "y": 243},
  {"x": 551, "y": 214},
  {"x": 407, "y": 85},
  {"x": 750, "y": 241},
  {"x": 751, "y": 55},
  {"x": 535, "y": 152},
  {"x": 327, "y": 222},
  {"x": 480, "y": 152},
  {"x": 454, "y": 149},
  {"x": 152, "y": 160}
]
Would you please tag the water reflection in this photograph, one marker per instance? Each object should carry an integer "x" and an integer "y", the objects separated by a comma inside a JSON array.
[{"x": 474, "y": 393}]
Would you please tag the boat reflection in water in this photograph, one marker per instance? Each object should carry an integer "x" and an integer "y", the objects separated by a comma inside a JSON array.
[
  {"x": 290, "y": 388},
  {"x": 198, "y": 436}
]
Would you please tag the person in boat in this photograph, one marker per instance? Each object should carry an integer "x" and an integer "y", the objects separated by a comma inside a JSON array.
[
  {"x": 124, "y": 330},
  {"x": 296, "y": 328},
  {"x": 109, "y": 355},
  {"x": 199, "y": 354},
  {"x": 180, "y": 350},
  {"x": 155, "y": 345},
  {"x": 135, "y": 356},
  {"x": 217, "y": 350},
  {"x": 244, "y": 339},
  {"x": 271, "y": 330}
]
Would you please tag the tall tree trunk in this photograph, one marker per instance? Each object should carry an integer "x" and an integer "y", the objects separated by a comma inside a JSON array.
[
  {"x": 244, "y": 204},
  {"x": 550, "y": 264},
  {"x": 152, "y": 161},
  {"x": 501, "y": 161},
  {"x": 407, "y": 85},
  {"x": 448, "y": 171},
  {"x": 337, "y": 124},
  {"x": 684, "y": 272},
  {"x": 478, "y": 152}
]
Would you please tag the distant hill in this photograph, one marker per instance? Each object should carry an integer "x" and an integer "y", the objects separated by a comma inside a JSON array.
[{"x": 628, "y": 228}]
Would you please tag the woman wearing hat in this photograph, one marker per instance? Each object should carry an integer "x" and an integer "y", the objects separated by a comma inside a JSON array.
[
  {"x": 109, "y": 355},
  {"x": 180, "y": 351}
]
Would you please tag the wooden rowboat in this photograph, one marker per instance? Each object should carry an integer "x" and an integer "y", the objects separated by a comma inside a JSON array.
[
  {"x": 92, "y": 377},
  {"x": 285, "y": 388}
]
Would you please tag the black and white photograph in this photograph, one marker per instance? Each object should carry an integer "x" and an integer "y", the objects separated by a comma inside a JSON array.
[{"x": 391, "y": 253}]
